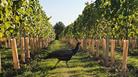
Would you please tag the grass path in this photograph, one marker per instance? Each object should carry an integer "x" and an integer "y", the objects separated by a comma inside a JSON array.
[{"x": 81, "y": 65}]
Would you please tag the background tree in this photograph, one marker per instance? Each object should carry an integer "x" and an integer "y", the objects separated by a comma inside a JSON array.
[{"x": 59, "y": 27}]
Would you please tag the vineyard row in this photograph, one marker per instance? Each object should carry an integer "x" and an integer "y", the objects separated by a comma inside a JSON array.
[{"x": 108, "y": 47}]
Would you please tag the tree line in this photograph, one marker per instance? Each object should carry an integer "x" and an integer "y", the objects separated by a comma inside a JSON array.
[{"x": 115, "y": 19}]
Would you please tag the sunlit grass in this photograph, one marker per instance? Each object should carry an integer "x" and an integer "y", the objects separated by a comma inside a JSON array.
[
  {"x": 78, "y": 67},
  {"x": 133, "y": 60},
  {"x": 56, "y": 46},
  {"x": 81, "y": 65}
]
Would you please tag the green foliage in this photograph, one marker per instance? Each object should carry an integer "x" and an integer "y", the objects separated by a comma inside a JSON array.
[
  {"x": 24, "y": 18},
  {"x": 115, "y": 18}
]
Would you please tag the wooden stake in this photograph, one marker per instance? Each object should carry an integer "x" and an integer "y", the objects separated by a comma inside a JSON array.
[
  {"x": 105, "y": 52},
  {"x": 16, "y": 63},
  {"x": 84, "y": 44},
  {"x": 42, "y": 42},
  {"x": 38, "y": 42},
  {"x": 22, "y": 50},
  {"x": 6, "y": 44},
  {"x": 89, "y": 43},
  {"x": 97, "y": 48},
  {"x": 70, "y": 41},
  {"x": 104, "y": 46},
  {"x": 112, "y": 51},
  {"x": 93, "y": 44},
  {"x": 124, "y": 60},
  {"x": 9, "y": 43},
  {"x": 35, "y": 44},
  {"x": 27, "y": 48},
  {"x": 31, "y": 44},
  {"x": 46, "y": 42},
  {"x": 81, "y": 43}
]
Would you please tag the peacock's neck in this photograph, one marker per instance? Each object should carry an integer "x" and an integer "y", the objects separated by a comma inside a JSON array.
[{"x": 76, "y": 49}]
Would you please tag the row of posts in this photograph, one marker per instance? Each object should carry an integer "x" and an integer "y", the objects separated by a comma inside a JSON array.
[
  {"x": 26, "y": 46},
  {"x": 107, "y": 45}
]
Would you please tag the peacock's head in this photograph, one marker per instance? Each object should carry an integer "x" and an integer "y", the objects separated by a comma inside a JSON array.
[{"x": 78, "y": 44}]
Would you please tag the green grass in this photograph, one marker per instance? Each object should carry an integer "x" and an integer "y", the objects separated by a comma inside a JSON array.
[
  {"x": 132, "y": 60},
  {"x": 78, "y": 67},
  {"x": 81, "y": 65}
]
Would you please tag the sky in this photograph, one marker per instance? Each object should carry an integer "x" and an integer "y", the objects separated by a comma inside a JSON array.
[{"x": 65, "y": 11}]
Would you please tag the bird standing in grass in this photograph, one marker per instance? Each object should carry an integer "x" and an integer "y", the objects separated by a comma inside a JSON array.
[{"x": 63, "y": 55}]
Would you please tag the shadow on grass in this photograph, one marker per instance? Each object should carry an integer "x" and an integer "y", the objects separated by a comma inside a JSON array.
[{"x": 81, "y": 65}]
